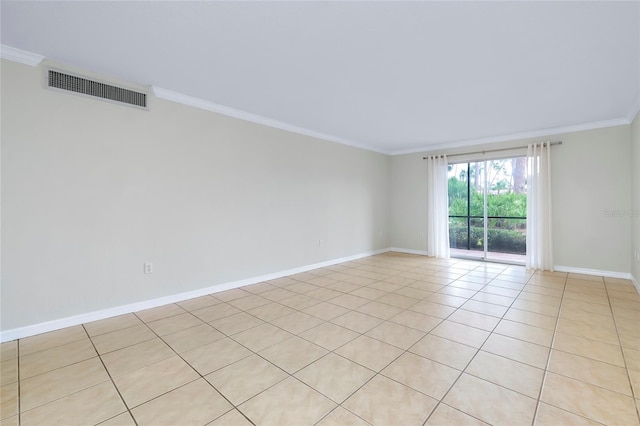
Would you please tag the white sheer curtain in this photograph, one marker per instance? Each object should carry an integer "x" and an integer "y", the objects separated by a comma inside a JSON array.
[
  {"x": 539, "y": 227},
  {"x": 437, "y": 207}
]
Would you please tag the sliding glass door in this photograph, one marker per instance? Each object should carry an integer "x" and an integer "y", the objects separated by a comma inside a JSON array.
[{"x": 487, "y": 209}]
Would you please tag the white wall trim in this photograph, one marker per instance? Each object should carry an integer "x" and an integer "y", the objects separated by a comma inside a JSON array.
[
  {"x": 584, "y": 271},
  {"x": 22, "y": 56},
  {"x": 34, "y": 59},
  {"x": 170, "y": 95},
  {"x": 596, "y": 272},
  {"x": 409, "y": 251},
  {"x": 30, "y": 330},
  {"x": 515, "y": 136}
]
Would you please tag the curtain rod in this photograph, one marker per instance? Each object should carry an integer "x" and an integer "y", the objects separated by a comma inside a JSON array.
[{"x": 496, "y": 150}]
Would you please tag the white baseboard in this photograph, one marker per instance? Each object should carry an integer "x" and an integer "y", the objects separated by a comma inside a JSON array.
[
  {"x": 31, "y": 330},
  {"x": 409, "y": 251},
  {"x": 584, "y": 271},
  {"x": 596, "y": 272}
]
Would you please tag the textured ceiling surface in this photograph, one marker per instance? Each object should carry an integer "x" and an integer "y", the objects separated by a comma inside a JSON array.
[{"x": 391, "y": 76}]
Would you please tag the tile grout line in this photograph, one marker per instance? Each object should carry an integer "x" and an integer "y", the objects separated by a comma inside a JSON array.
[
  {"x": 56, "y": 369},
  {"x": 110, "y": 378},
  {"x": 584, "y": 356},
  {"x": 257, "y": 354},
  {"x": 441, "y": 401},
  {"x": 364, "y": 266},
  {"x": 19, "y": 382},
  {"x": 624, "y": 358},
  {"x": 49, "y": 371},
  {"x": 330, "y": 321},
  {"x": 192, "y": 381},
  {"x": 296, "y": 335},
  {"x": 134, "y": 344},
  {"x": 553, "y": 339},
  {"x": 236, "y": 407},
  {"x": 147, "y": 326},
  {"x": 329, "y": 351},
  {"x": 360, "y": 335},
  {"x": 334, "y": 409},
  {"x": 557, "y": 319},
  {"x": 477, "y": 350}
]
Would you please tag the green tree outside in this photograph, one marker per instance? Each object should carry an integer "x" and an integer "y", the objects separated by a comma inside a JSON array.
[{"x": 506, "y": 198}]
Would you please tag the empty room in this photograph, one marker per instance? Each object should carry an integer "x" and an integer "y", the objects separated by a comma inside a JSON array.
[{"x": 320, "y": 213}]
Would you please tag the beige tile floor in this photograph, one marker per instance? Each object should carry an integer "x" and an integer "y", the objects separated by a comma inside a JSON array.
[{"x": 392, "y": 339}]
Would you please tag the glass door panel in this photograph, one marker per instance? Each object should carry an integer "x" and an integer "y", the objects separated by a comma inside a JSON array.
[
  {"x": 507, "y": 209},
  {"x": 466, "y": 207},
  {"x": 491, "y": 193}
]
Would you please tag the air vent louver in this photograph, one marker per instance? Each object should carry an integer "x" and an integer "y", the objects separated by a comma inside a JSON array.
[{"x": 88, "y": 87}]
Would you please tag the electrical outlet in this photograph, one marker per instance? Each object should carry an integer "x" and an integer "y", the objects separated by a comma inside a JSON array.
[
  {"x": 320, "y": 243},
  {"x": 148, "y": 268}
]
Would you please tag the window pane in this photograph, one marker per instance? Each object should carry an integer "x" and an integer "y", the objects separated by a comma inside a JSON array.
[
  {"x": 507, "y": 236},
  {"x": 476, "y": 171},
  {"x": 458, "y": 189},
  {"x": 477, "y": 235},
  {"x": 458, "y": 233},
  {"x": 503, "y": 182},
  {"x": 507, "y": 194}
]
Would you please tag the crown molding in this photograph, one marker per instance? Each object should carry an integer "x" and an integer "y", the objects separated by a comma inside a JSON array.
[
  {"x": 515, "y": 136},
  {"x": 181, "y": 98},
  {"x": 33, "y": 59},
  {"x": 22, "y": 56}
]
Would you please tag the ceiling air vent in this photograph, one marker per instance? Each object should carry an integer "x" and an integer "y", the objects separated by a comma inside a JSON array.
[{"x": 84, "y": 86}]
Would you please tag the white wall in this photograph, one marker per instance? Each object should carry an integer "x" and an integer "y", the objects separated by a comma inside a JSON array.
[
  {"x": 409, "y": 202},
  {"x": 591, "y": 174},
  {"x": 591, "y": 190},
  {"x": 92, "y": 190},
  {"x": 635, "y": 200}
]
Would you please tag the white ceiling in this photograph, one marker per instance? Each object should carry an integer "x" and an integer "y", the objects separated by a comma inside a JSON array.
[{"x": 392, "y": 76}]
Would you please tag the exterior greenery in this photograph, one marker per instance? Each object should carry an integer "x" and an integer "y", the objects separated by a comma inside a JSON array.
[
  {"x": 504, "y": 235},
  {"x": 500, "y": 240}
]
